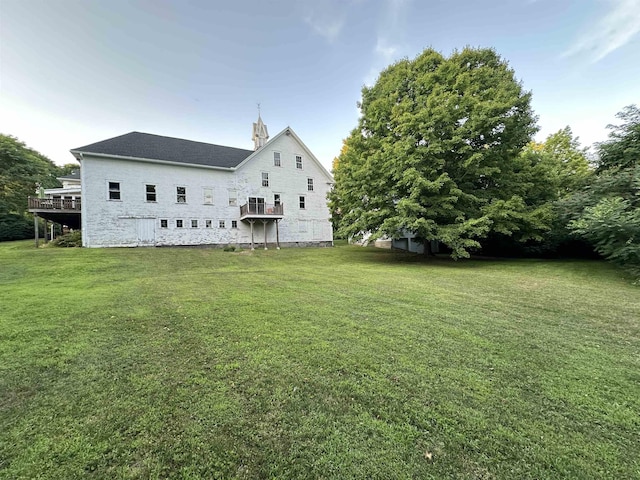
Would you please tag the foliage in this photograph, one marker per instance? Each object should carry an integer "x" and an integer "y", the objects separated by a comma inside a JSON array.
[
  {"x": 314, "y": 363},
  {"x": 622, "y": 150},
  {"x": 15, "y": 227},
  {"x": 20, "y": 169},
  {"x": 435, "y": 153},
  {"x": 607, "y": 214},
  {"x": 71, "y": 239}
]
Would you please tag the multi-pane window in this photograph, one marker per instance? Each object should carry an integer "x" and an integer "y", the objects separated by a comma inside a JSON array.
[
  {"x": 234, "y": 224},
  {"x": 310, "y": 184},
  {"x": 207, "y": 223},
  {"x": 276, "y": 159},
  {"x": 299, "y": 162},
  {"x": 265, "y": 179},
  {"x": 302, "y": 201},
  {"x": 178, "y": 223},
  {"x": 151, "y": 193},
  {"x": 276, "y": 199},
  {"x": 164, "y": 223},
  {"x": 221, "y": 224},
  {"x": 114, "y": 190},
  {"x": 194, "y": 223},
  {"x": 208, "y": 196},
  {"x": 233, "y": 198},
  {"x": 181, "y": 194}
]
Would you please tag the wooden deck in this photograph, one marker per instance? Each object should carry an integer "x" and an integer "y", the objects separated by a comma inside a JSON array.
[
  {"x": 65, "y": 205},
  {"x": 261, "y": 211}
]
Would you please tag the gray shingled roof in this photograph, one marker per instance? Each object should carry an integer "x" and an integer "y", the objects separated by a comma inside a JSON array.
[
  {"x": 156, "y": 147},
  {"x": 75, "y": 175}
]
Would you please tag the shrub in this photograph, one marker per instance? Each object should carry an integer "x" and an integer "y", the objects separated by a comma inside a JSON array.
[
  {"x": 71, "y": 239},
  {"x": 230, "y": 248},
  {"x": 15, "y": 227}
]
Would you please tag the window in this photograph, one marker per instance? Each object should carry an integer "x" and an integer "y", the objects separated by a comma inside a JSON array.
[
  {"x": 310, "y": 184},
  {"x": 265, "y": 179},
  {"x": 276, "y": 199},
  {"x": 276, "y": 159},
  {"x": 207, "y": 223},
  {"x": 114, "y": 190},
  {"x": 233, "y": 198},
  {"x": 164, "y": 223},
  {"x": 302, "y": 202},
  {"x": 178, "y": 223},
  {"x": 221, "y": 224},
  {"x": 151, "y": 193},
  {"x": 194, "y": 223},
  {"x": 181, "y": 194},
  {"x": 208, "y": 196},
  {"x": 299, "y": 162},
  {"x": 234, "y": 224}
]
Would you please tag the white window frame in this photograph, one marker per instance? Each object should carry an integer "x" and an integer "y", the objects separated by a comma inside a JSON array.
[
  {"x": 207, "y": 196},
  {"x": 234, "y": 223},
  {"x": 208, "y": 224},
  {"x": 179, "y": 195},
  {"x": 233, "y": 198},
  {"x": 181, "y": 222},
  {"x": 221, "y": 224},
  {"x": 147, "y": 193},
  {"x": 265, "y": 179},
  {"x": 277, "y": 159},
  {"x": 277, "y": 199},
  {"x": 194, "y": 223},
  {"x": 302, "y": 202},
  {"x": 114, "y": 190},
  {"x": 165, "y": 221},
  {"x": 309, "y": 184},
  {"x": 299, "y": 164}
]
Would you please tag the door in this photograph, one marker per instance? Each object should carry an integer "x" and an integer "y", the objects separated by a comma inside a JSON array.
[
  {"x": 256, "y": 205},
  {"x": 146, "y": 228}
]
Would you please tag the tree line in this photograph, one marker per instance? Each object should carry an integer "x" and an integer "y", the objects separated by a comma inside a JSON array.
[
  {"x": 443, "y": 149},
  {"x": 21, "y": 168}
]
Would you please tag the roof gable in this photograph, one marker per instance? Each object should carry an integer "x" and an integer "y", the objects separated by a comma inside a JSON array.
[
  {"x": 146, "y": 146},
  {"x": 289, "y": 132}
]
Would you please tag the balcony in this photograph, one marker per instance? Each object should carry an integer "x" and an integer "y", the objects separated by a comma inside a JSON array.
[
  {"x": 65, "y": 211},
  {"x": 67, "y": 205},
  {"x": 264, "y": 211}
]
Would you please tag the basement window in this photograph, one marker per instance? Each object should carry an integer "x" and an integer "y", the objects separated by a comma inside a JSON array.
[
  {"x": 164, "y": 223},
  {"x": 178, "y": 223},
  {"x": 194, "y": 223},
  {"x": 234, "y": 224},
  {"x": 207, "y": 223},
  {"x": 221, "y": 224}
]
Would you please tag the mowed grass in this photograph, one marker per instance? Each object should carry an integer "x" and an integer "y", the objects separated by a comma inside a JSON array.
[{"x": 345, "y": 362}]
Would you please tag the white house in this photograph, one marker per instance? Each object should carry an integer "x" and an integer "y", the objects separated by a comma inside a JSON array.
[{"x": 140, "y": 189}]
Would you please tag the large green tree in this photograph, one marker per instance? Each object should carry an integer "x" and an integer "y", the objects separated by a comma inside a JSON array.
[
  {"x": 21, "y": 168},
  {"x": 436, "y": 152}
]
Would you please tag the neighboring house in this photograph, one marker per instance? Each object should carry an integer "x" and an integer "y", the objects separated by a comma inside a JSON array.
[{"x": 142, "y": 189}]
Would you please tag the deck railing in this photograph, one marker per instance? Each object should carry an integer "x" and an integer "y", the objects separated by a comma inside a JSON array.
[
  {"x": 249, "y": 209},
  {"x": 54, "y": 204}
]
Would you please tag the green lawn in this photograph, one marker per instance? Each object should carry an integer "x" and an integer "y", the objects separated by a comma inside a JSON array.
[{"x": 314, "y": 363}]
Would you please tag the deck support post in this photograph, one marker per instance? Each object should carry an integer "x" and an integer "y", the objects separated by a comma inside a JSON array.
[
  {"x": 277, "y": 236},
  {"x": 264, "y": 226},
  {"x": 35, "y": 227},
  {"x": 251, "y": 223}
]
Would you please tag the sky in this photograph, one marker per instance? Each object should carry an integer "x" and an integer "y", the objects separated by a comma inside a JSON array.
[{"x": 74, "y": 72}]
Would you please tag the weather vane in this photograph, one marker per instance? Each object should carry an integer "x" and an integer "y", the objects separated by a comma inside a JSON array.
[{"x": 258, "y": 108}]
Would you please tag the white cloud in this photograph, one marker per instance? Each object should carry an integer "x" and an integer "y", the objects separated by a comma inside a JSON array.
[
  {"x": 385, "y": 50},
  {"x": 617, "y": 28},
  {"x": 325, "y": 25}
]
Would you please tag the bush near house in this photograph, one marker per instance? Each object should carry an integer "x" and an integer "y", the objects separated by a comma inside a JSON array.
[{"x": 71, "y": 239}]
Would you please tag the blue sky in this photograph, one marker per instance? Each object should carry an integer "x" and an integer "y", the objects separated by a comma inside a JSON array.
[{"x": 74, "y": 72}]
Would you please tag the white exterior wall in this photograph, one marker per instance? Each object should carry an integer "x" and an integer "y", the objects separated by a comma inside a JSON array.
[{"x": 132, "y": 221}]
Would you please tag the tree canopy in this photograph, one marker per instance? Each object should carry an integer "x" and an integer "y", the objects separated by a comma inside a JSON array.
[
  {"x": 437, "y": 152},
  {"x": 622, "y": 149}
]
